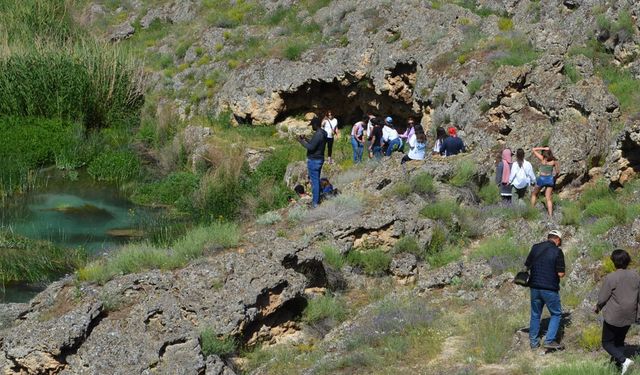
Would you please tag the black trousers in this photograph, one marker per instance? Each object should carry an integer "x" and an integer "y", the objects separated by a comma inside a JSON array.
[
  {"x": 329, "y": 146},
  {"x": 613, "y": 341},
  {"x": 521, "y": 192}
]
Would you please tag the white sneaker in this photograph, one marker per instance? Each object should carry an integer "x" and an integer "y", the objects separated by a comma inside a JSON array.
[{"x": 625, "y": 366}]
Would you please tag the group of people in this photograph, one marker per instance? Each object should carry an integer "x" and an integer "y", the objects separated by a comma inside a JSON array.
[
  {"x": 618, "y": 298},
  {"x": 382, "y": 137},
  {"x": 519, "y": 176},
  {"x": 379, "y": 136}
]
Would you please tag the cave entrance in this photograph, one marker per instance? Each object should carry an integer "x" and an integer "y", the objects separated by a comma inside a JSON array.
[
  {"x": 631, "y": 151},
  {"x": 350, "y": 97}
]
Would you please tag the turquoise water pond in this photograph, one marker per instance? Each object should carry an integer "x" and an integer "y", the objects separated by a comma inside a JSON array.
[{"x": 70, "y": 214}]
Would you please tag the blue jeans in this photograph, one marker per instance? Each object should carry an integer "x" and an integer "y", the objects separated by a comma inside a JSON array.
[
  {"x": 539, "y": 298},
  {"x": 377, "y": 152},
  {"x": 357, "y": 150},
  {"x": 396, "y": 142},
  {"x": 314, "y": 168}
]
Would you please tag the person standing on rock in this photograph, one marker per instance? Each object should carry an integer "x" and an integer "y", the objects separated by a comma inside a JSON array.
[
  {"x": 549, "y": 171},
  {"x": 546, "y": 266},
  {"x": 503, "y": 171},
  {"x": 369, "y": 132},
  {"x": 315, "y": 157},
  {"x": 521, "y": 174},
  {"x": 452, "y": 145},
  {"x": 618, "y": 301},
  {"x": 330, "y": 126},
  {"x": 357, "y": 139}
]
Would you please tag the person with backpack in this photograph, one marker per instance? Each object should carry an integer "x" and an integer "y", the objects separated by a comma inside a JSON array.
[
  {"x": 521, "y": 175},
  {"x": 546, "y": 266},
  {"x": 618, "y": 301},
  {"x": 503, "y": 171},
  {"x": 357, "y": 138},
  {"x": 315, "y": 157},
  {"x": 330, "y": 126}
]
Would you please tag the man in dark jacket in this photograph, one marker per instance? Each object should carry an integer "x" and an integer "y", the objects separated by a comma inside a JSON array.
[
  {"x": 452, "y": 145},
  {"x": 315, "y": 157},
  {"x": 546, "y": 265}
]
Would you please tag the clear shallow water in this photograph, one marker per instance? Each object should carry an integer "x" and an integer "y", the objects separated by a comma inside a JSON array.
[{"x": 71, "y": 214}]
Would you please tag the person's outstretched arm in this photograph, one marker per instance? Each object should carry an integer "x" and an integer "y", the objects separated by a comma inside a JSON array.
[{"x": 536, "y": 152}]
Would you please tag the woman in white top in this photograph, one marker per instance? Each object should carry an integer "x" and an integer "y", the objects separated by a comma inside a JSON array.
[
  {"x": 417, "y": 146},
  {"x": 521, "y": 175},
  {"x": 330, "y": 126}
]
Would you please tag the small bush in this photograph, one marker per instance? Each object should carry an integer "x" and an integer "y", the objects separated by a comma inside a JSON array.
[
  {"x": 590, "y": 338},
  {"x": 474, "y": 86},
  {"x": 463, "y": 174},
  {"x": 333, "y": 257},
  {"x": 489, "y": 193},
  {"x": 297, "y": 214},
  {"x": 505, "y": 24},
  {"x": 447, "y": 254},
  {"x": 602, "y": 225},
  {"x": 622, "y": 84},
  {"x": 115, "y": 166},
  {"x": 441, "y": 210},
  {"x": 372, "y": 262},
  {"x": 606, "y": 207},
  {"x": 401, "y": 189},
  {"x": 502, "y": 252},
  {"x": 294, "y": 50},
  {"x": 325, "y": 307},
  {"x": 581, "y": 368},
  {"x": 213, "y": 344},
  {"x": 175, "y": 189},
  {"x": 492, "y": 337},
  {"x": 515, "y": 51},
  {"x": 422, "y": 183},
  {"x": 408, "y": 244},
  {"x": 571, "y": 214},
  {"x": 269, "y": 218},
  {"x": 571, "y": 72}
]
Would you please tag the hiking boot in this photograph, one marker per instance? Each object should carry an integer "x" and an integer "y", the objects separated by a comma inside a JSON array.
[
  {"x": 553, "y": 345},
  {"x": 625, "y": 366}
]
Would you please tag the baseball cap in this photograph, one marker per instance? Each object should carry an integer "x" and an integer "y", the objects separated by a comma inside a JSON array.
[
  {"x": 556, "y": 233},
  {"x": 389, "y": 119},
  {"x": 452, "y": 130}
]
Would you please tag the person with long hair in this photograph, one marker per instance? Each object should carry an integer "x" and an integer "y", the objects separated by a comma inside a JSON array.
[
  {"x": 375, "y": 139},
  {"x": 417, "y": 146},
  {"x": 549, "y": 171},
  {"x": 503, "y": 171},
  {"x": 408, "y": 133},
  {"x": 441, "y": 135},
  {"x": 521, "y": 174},
  {"x": 330, "y": 126}
]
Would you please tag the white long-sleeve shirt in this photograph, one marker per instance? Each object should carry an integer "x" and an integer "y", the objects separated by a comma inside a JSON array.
[
  {"x": 389, "y": 134},
  {"x": 521, "y": 177}
]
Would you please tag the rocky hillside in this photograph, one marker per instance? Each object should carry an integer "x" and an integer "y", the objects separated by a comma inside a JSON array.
[{"x": 410, "y": 269}]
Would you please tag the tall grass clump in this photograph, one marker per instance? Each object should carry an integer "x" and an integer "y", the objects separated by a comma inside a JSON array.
[
  {"x": 422, "y": 183},
  {"x": 333, "y": 257},
  {"x": 25, "y": 260},
  {"x": 502, "y": 252},
  {"x": 463, "y": 174},
  {"x": 372, "y": 262},
  {"x": 514, "y": 50},
  {"x": 139, "y": 257},
  {"x": 441, "y": 210},
  {"x": 489, "y": 193},
  {"x": 491, "y": 337},
  {"x": 214, "y": 344},
  {"x": 582, "y": 368},
  {"x": 325, "y": 307},
  {"x": 269, "y": 218}
]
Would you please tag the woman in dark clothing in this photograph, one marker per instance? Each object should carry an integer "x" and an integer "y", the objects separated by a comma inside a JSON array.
[
  {"x": 375, "y": 147},
  {"x": 315, "y": 157},
  {"x": 440, "y": 137}
]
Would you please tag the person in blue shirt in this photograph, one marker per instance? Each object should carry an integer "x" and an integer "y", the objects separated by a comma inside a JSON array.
[{"x": 452, "y": 145}]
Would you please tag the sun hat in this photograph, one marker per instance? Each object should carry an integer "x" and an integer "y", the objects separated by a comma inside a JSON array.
[{"x": 556, "y": 233}]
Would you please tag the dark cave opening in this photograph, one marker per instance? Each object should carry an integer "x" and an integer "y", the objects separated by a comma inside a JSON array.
[
  {"x": 350, "y": 98},
  {"x": 631, "y": 151}
]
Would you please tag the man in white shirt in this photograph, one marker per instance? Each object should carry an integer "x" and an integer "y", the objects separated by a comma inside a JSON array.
[
  {"x": 330, "y": 126},
  {"x": 390, "y": 136}
]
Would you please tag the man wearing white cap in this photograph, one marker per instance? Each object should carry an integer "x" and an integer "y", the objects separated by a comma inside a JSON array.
[{"x": 546, "y": 265}]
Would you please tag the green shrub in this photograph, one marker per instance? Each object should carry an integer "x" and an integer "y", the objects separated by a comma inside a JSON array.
[
  {"x": 447, "y": 254},
  {"x": 622, "y": 84},
  {"x": 602, "y": 225},
  {"x": 489, "y": 193},
  {"x": 492, "y": 337},
  {"x": 408, "y": 244},
  {"x": 422, "y": 183},
  {"x": 294, "y": 50},
  {"x": 116, "y": 166},
  {"x": 464, "y": 172},
  {"x": 373, "y": 262},
  {"x": 571, "y": 72},
  {"x": 571, "y": 214},
  {"x": 401, "y": 189},
  {"x": 297, "y": 214},
  {"x": 214, "y": 344},
  {"x": 517, "y": 50},
  {"x": 30, "y": 261},
  {"x": 581, "y": 368},
  {"x": 325, "y": 307},
  {"x": 606, "y": 207},
  {"x": 333, "y": 257},
  {"x": 474, "y": 86},
  {"x": 441, "y": 210},
  {"x": 176, "y": 189},
  {"x": 590, "y": 337},
  {"x": 505, "y": 24},
  {"x": 269, "y": 218},
  {"x": 500, "y": 246}
]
